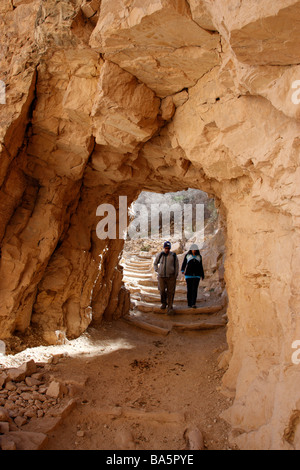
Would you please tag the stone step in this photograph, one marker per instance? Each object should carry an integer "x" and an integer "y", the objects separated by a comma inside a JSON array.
[
  {"x": 204, "y": 325},
  {"x": 148, "y": 308},
  {"x": 134, "y": 297},
  {"x": 135, "y": 262},
  {"x": 143, "y": 256},
  {"x": 179, "y": 327},
  {"x": 149, "y": 283},
  {"x": 134, "y": 289},
  {"x": 178, "y": 300},
  {"x": 147, "y": 326},
  {"x": 140, "y": 268},
  {"x": 139, "y": 276},
  {"x": 150, "y": 290},
  {"x": 156, "y": 299},
  {"x": 136, "y": 271}
]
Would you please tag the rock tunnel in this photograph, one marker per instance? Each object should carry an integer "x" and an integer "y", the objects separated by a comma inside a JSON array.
[{"x": 107, "y": 99}]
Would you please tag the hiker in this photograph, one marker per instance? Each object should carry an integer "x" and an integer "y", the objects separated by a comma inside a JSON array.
[
  {"x": 192, "y": 268},
  {"x": 167, "y": 267}
]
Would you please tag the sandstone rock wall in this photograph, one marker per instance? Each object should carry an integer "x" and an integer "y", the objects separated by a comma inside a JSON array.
[{"x": 105, "y": 99}]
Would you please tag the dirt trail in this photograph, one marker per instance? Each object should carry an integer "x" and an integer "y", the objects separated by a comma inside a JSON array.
[{"x": 138, "y": 391}]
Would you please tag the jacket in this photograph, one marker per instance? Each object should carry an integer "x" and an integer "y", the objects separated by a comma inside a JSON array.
[
  {"x": 192, "y": 266},
  {"x": 166, "y": 265}
]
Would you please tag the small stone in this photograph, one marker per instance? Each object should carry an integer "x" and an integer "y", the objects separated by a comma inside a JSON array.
[
  {"x": 23, "y": 388},
  {"x": 167, "y": 108},
  {"x": 180, "y": 98},
  {"x": 10, "y": 386},
  {"x": 4, "y": 416},
  {"x": 18, "y": 374},
  {"x": 38, "y": 396},
  {"x": 89, "y": 8},
  {"x": 13, "y": 396},
  {"x": 38, "y": 376},
  {"x": 26, "y": 396},
  {"x": 20, "y": 421},
  {"x": 15, "y": 375},
  {"x": 55, "y": 390},
  {"x": 30, "y": 381},
  {"x": 80, "y": 434},
  {"x": 30, "y": 368},
  {"x": 30, "y": 413}
]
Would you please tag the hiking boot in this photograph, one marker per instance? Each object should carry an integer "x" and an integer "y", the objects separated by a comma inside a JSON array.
[
  {"x": 171, "y": 311},
  {"x": 194, "y": 306},
  {"x": 163, "y": 306}
]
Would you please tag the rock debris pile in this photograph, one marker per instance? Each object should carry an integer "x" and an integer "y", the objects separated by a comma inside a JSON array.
[{"x": 32, "y": 404}]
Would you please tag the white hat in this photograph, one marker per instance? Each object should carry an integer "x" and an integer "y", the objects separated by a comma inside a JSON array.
[{"x": 194, "y": 247}]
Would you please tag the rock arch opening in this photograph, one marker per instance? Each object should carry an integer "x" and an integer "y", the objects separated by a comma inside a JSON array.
[
  {"x": 160, "y": 217},
  {"x": 183, "y": 218}
]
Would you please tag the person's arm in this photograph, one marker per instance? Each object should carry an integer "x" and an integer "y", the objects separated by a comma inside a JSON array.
[
  {"x": 176, "y": 266},
  {"x": 156, "y": 263},
  {"x": 201, "y": 270},
  {"x": 183, "y": 266}
]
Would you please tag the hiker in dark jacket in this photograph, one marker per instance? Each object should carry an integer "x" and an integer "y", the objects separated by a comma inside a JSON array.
[
  {"x": 167, "y": 267},
  {"x": 192, "y": 268}
]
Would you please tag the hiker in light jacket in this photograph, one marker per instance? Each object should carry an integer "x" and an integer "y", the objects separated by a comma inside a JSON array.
[
  {"x": 167, "y": 267},
  {"x": 192, "y": 268}
]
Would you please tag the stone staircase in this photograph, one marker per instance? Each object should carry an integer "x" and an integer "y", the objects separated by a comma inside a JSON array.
[{"x": 141, "y": 280}]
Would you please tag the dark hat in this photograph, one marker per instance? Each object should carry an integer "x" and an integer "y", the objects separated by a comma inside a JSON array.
[{"x": 167, "y": 245}]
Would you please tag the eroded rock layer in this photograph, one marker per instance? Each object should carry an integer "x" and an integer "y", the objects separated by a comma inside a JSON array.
[{"x": 106, "y": 99}]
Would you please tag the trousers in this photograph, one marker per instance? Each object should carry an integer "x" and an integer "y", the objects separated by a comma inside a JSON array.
[
  {"x": 166, "y": 287},
  {"x": 192, "y": 290}
]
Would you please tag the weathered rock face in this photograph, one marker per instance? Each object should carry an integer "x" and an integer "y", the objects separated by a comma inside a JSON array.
[
  {"x": 105, "y": 99},
  {"x": 158, "y": 42}
]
